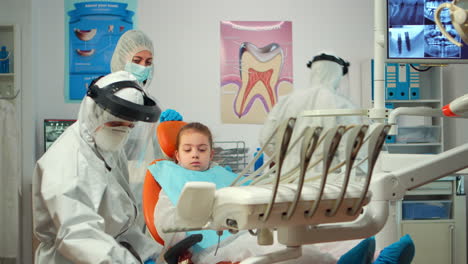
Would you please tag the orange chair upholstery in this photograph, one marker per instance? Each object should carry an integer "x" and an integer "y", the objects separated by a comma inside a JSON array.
[{"x": 167, "y": 135}]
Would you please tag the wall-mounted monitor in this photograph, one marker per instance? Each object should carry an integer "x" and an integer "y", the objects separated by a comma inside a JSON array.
[
  {"x": 413, "y": 37},
  {"x": 53, "y": 128}
]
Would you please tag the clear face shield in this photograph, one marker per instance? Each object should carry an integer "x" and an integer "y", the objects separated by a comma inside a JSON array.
[
  {"x": 329, "y": 74},
  {"x": 140, "y": 146}
]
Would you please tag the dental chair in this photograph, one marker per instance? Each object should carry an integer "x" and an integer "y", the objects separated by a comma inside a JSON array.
[
  {"x": 277, "y": 204},
  {"x": 167, "y": 136}
]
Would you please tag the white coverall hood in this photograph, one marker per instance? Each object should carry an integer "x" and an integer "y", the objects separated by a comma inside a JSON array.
[
  {"x": 83, "y": 207},
  {"x": 321, "y": 94},
  {"x": 327, "y": 74},
  {"x": 113, "y": 138},
  {"x": 129, "y": 44}
]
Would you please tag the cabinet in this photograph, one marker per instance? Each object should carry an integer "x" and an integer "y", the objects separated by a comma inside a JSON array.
[
  {"x": 10, "y": 128},
  {"x": 440, "y": 239},
  {"x": 416, "y": 135},
  {"x": 9, "y": 80},
  {"x": 434, "y": 216}
]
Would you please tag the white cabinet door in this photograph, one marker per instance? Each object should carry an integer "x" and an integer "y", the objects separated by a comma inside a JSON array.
[{"x": 433, "y": 241}]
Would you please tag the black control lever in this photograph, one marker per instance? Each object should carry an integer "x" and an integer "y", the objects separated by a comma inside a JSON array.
[{"x": 172, "y": 255}]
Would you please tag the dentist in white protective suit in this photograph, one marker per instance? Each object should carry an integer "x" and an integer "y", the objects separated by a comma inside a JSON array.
[
  {"x": 83, "y": 209},
  {"x": 326, "y": 73}
]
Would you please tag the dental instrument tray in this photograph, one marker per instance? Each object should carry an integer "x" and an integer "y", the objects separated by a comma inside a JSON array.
[{"x": 231, "y": 153}]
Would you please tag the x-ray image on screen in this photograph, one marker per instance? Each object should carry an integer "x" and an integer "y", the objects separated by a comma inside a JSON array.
[
  {"x": 413, "y": 35},
  {"x": 405, "y": 12},
  {"x": 430, "y": 7},
  {"x": 437, "y": 45},
  {"x": 403, "y": 41}
]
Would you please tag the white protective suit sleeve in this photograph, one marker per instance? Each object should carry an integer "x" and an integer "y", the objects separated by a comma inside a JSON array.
[
  {"x": 77, "y": 221},
  {"x": 273, "y": 120},
  {"x": 165, "y": 215},
  {"x": 321, "y": 95}
]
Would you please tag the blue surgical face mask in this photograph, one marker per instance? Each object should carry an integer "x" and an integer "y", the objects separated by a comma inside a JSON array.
[{"x": 141, "y": 73}]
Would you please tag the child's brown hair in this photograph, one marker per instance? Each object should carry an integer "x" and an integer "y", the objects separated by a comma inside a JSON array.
[{"x": 197, "y": 127}]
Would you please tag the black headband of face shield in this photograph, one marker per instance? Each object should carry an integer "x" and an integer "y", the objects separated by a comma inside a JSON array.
[
  {"x": 105, "y": 98},
  {"x": 338, "y": 60}
]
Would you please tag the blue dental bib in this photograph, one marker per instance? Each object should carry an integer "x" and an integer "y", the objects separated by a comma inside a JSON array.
[{"x": 173, "y": 178}]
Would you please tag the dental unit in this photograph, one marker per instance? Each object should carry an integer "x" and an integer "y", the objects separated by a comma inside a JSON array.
[{"x": 303, "y": 211}]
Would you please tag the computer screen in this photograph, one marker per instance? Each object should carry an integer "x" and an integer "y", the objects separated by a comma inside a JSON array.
[
  {"x": 413, "y": 37},
  {"x": 53, "y": 128}
]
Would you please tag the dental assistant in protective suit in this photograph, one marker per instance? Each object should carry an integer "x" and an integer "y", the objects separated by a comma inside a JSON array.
[
  {"x": 83, "y": 209},
  {"x": 326, "y": 73},
  {"x": 134, "y": 53}
]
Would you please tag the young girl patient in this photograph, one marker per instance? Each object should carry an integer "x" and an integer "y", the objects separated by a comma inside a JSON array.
[
  {"x": 193, "y": 162},
  {"x": 194, "y": 154}
]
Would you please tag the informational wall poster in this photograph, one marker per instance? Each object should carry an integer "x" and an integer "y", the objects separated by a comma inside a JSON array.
[
  {"x": 256, "y": 68},
  {"x": 91, "y": 33}
]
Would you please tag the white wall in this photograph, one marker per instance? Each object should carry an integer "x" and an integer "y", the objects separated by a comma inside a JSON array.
[
  {"x": 186, "y": 37},
  {"x": 50, "y": 47},
  {"x": 187, "y": 43}
]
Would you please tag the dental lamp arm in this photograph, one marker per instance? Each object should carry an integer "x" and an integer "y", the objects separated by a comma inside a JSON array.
[
  {"x": 456, "y": 108},
  {"x": 394, "y": 185},
  {"x": 414, "y": 111}
]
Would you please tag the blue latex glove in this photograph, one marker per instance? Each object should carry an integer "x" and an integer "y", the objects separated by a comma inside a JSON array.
[
  {"x": 150, "y": 261},
  {"x": 170, "y": 115},
  {"x": 363, "y": 253},
  {"x": 400, "y": 252},
  {"x": 228, "y": 168}
]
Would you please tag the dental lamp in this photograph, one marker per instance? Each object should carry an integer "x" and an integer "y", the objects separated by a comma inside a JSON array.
[
  {"x": 459, "y": 17},
  {"x": 457, "y": 108}
]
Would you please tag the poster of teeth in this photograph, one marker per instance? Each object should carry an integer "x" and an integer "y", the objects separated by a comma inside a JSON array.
[
  {"x": 91, "y": 33},
  {"x": 256, "y": 68}
]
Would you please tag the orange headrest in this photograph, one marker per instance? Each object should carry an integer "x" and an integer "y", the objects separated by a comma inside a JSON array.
[{"x": 167, "y": 136}]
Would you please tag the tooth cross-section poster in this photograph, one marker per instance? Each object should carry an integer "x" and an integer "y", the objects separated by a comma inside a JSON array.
[
  {"x": 91, "y": 34},
  {"x": 256, "y": 68}
]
